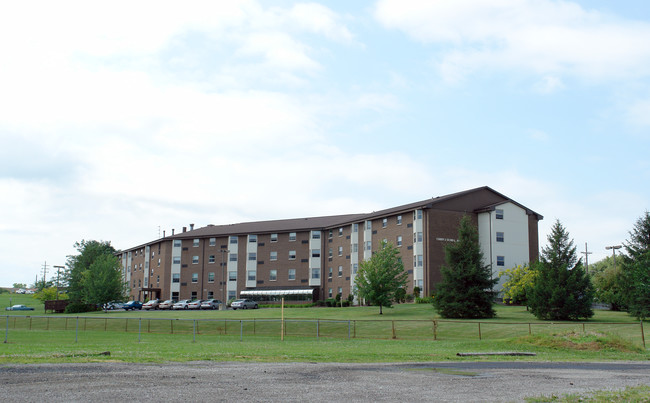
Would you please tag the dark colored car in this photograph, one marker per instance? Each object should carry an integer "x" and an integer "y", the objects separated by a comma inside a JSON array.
[
  {"x": 19, "y": 308},
  {"x": 132, "y": 305}
]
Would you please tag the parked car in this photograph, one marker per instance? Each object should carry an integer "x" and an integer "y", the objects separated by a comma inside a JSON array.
[
  {"x": 19, "y": 308},
  {"x": 110, "y": 306},
  {"x": 243, "y": 304},
  {"x": 167, "y": 304},
  {"x": 182, "y": 304},
  {"x": 133, "y": 305},
  {"x": 196, "y": 304},
  {"x": 151, "y": 304},
  {"x": 210, "y": 304}
]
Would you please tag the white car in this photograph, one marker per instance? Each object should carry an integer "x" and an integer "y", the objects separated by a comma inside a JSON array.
[
  {"x": 182, "y": 304},
  {"x": 151, "y": 304},
  {"x": 196, "y": 304},
  {"x": 243, "y": 304}
]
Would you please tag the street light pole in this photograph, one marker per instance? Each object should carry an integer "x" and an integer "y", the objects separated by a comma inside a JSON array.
[{"x": 613, "y": 248}]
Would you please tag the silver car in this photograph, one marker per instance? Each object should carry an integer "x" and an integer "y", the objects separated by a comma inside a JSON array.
[
  {"x": 243, "y": 304},
  {"x": 182, "y": 304},
  {"x": 210, "y": 304}
]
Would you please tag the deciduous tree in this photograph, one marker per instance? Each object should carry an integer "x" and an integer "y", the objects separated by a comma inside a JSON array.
[
  {"x": 379, "y": 278},
  {"x": 466, "y": 287},
  {"x": 520, "y": 281}
]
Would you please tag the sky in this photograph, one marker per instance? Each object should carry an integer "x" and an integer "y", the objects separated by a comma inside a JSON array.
[{"x": 120, "y": 120}]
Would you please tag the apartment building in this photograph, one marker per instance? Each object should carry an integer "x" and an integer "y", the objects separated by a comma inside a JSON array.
[{"x": 306, "y": 259}]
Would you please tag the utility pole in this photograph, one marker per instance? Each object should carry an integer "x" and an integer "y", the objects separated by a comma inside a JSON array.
[
  {"x": 586, "y": 253},
  {"x": 44, "y": 272},
  {"x": 58, "y": 273}
]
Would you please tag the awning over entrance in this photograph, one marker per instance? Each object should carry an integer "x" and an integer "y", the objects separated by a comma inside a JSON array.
[{"x": 309, "y": 291}]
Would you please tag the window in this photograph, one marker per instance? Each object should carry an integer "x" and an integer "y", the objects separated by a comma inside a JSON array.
[
  {"x": 233, "y": 240},
  {"x": 384, "y": 223},
  {"x": 252, "y": 256},
  {"x": 158, "y": 262},
  {"x": 211, "y": 259},
  {"x": 292, "y": 255},
  {"x": 232, "y": 276},
  {"x": 273, "y": 275},
  {"x": 340, "y": 251},
  {"x": 274, "y": 237},
  {"x": 355, "y": 268},
  {"x": 329, "y": 234},
  {"x": 211, "y": 277},
  {"x": 292, "y": 274},
  {"x": 499, "y": 214},
  {"x": 210, "y": 294},
  {"x": 329, "y": 273},
  {"x": 153, "y": 254},
  {"x": 330, "y": 252},
  {"x": 233, "y": 257},
  {"x": 355, "y": 227},
  {"x": 368, "y": 245},
  {"x": 355, "y": 247},
  {"x": 417, "y": 215},
  {"x": 195, "y": 277},
  {"x": 213, "y": 241},
  {"x": 315, "y": 235},
  {"x": 399, "y": 220},
  {"x": 175, "y": 295},
  {"x": 274, "y": 256},
  {"x": 418, "y": 261},
  {"x": 341, "y": 231},
  {"x": 177, "y": 243},
  {"x": 329, "y": 293},
  {"x": 251, "y": 275},
  {"x": 252, "y": 238},
  {"x": 315, "y": 253},
  {"x": 176, "y": 278},
  {"x": 340, "y": 271},
  {"x": 195, "y": 260},
  {"x": 195, "y": 243},
  {"x": 417, "y": 237},
  {"x": 340, "y": 291},
  {"x": 315, "y": 273},
  {"x": 232, "y": 294},
  {"x": 399, "y": 240},
  {"x": 292, "y": 236},
  {"x": 158, "y": 279},
  {"x": 500, "y": 237},
  {"x": 368, "y": 224},
  {"x": 194, "y": 295},
  {"x": 501, "y": 260}
]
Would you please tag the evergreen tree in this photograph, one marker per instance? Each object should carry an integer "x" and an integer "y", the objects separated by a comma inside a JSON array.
[
  {"x": 379, "y": 278},
  {"x": 636, "y": 268},
  {"x": 562, "y": 290},
  {"x": 466, "y": 287}
]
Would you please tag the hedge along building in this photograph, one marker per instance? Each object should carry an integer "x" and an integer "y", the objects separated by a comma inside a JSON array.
[{"x": 318, "y": 257}]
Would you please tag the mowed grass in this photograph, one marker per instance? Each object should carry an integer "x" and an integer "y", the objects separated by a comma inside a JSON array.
[{"x": 408, "y": 332}]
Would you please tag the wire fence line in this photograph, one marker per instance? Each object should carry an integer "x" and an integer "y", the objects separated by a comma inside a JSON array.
[{"x": 403, "y": 329}]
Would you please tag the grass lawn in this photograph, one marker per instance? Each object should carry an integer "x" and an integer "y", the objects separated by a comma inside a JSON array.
[{"x": 143, "y": 336}]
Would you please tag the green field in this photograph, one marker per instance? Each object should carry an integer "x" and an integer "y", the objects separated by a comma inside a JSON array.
[{"x": 408, "y": 332}]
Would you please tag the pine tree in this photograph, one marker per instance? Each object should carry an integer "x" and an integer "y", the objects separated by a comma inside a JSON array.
[
  {"x": 636, "y": 268},
  {"x": 562, "y": 290},
  {"x": 466, "y": 287}
]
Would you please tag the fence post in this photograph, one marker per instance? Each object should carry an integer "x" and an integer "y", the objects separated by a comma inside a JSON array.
[
  {"x": 348, "y": 329},
  {"x": 435, "y": 329},
  {"x": 171, "y": 323},
  {"x": 530, "y": 332},
  {"x": 139, "y": 328},
  {"x": 47, "y": 325},
  {"x": 317, "y": 328},
  {"x": 355, "y": 329},
  {"x": 254, "y": 331},
  {"x": 241, "y": 330},
  {"x": 105, "y": 323},
  {"x": 393, "y": 326},
  {"x": 194, "y": 331},
  {"x": 7, "y": 329},
  {"x": 30, "y": 323},
  {"x": 583, "y": 328},
  {"x": 76, "y": 331},
  {"x": 642, "y": 335},
  {"x": 148, "y": 325},
  {"x": 479, "y": 331},
  {"x": 126, "y": 325},
  {"x": 66, "y": 324}
]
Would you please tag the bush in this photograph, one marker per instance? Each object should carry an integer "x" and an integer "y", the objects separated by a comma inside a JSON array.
[
  {"x": 416, "y": 292},
  {"x": 79, "y": 307},
  {"x": 424, "y": 300}
]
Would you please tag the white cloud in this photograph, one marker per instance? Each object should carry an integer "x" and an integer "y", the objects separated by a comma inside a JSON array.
[{"x": 542, "y": 37}]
